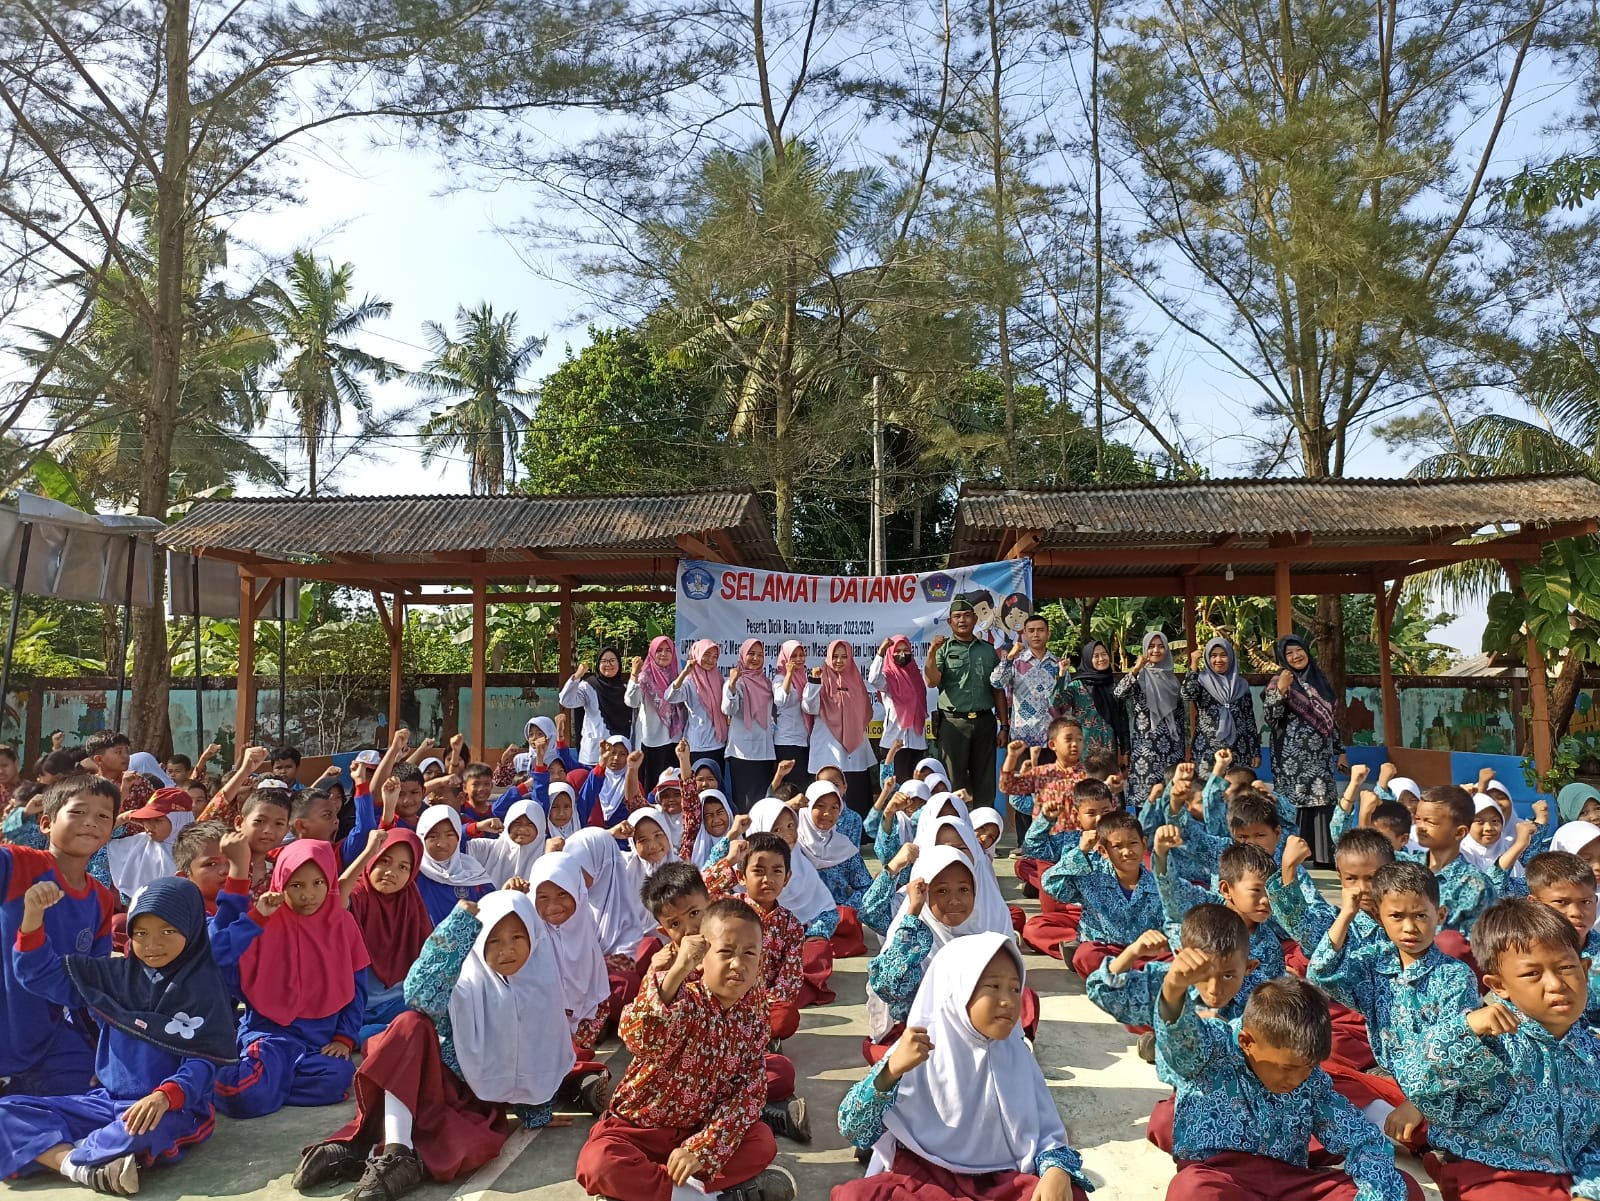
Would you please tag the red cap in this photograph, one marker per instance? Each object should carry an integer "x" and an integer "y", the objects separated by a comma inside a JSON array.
[{"x": 161, "y": 803}]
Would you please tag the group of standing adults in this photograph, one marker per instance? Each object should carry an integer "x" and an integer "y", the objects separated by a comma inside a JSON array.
[{"x": 747, "y": 721}]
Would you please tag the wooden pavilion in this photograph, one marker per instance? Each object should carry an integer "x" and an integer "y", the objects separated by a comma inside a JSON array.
[
  {"x": 409, "y": 548},
  {"x": 1278, "y": 537}
]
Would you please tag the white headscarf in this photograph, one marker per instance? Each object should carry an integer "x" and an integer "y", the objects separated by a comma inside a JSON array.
[
  {"x": 879, "y": 1020},
  {"x": 621, "y": 919},
  {"x": 574, "y": 823},
  {"x": 137, "y": 859},
  {"x": 990, "y": 911},
  {"x": 576, "y": 941},
  {"x": 633, "y": 865},
  {"x": 928, "y": 764},
  {"x": 987, "y": 816},
  {"x": 704, "y": 840},
  {"x": 825, "y": 848},
  {"x": 502, "y": 857},
  {"x": 804, "y": 895},
  {"x": 510, "y": 1033},
  {"x": 1473, "y": 851},
  {"x": 1399, "y": 784},
  {"x": 147, "y": 764},
  {"x": 977, "y": 1105},
  {"x": 461, "y": 870},
  {"x": 613, "y": 792}
]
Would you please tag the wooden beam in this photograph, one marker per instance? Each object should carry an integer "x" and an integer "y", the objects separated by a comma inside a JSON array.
[
  {"x": 1051, "y": 587},
  {"x": 244, "y": 711},
  {"x": 1172, "y": 556},
  {"x": 543, "y": 598},
  {"x": 564, "y": 637},
  {"x": 696, "y": 549},
  {"x": 1285, "y": 598},
  {"x": 1392, "y": 735},
  {"x": 662, "y": 567},
  {"x": 480, "y": 638},
  {"x": 730, "y": 553},
  {"x": 383, "y": 613},
  {"x": 1190, "y": 616},
  {"x": 1023, "y": 546}
]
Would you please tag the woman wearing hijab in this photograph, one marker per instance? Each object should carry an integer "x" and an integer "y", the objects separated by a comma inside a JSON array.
[
  {"x": 1156, "y": 735},
  {"x": 698, "y": 687},
  {"x": 1225, "y": 714},
  {"x": 447, "y": 874},
  {"x": 747, "y": 704},
  {"x": 486, "y": 1030},
  {"x": 1306, "y": 748},
  {"x": 394, "y": 923},
  {"x": 165, "y": 1026},
  {"x": 1579, "y": 803},
  {"x": 791, "y": 733},
  {"x": 895, "y": 676},
  {"x": 603, "y": 699},
  {"x": 837, "y": 695},
  {"x": 661, "y": 722},
  {"x": 1091, "y": 696},
  {"x": 959, "y": 1108}
]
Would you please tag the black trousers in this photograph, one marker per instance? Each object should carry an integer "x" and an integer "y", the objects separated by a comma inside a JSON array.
[
  {"x": 748, "y": 780},
  {"x": 966, "y": 744}
]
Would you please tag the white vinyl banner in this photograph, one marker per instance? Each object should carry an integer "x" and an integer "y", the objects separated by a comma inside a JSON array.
[{"x": 730, "y": 604}]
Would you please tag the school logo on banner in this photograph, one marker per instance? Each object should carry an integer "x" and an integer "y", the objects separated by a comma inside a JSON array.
[{"x": 730, "y": 604}]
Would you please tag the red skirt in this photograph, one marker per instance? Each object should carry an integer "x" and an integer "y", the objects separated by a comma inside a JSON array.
[
  {"x": 847, "y": 940},
  {"x": 913, "y": 1178},
  {"x": 452, "y": 1131},
  {"x": 1466, "y": 1180},
  {"x": 816, "y": 966}
]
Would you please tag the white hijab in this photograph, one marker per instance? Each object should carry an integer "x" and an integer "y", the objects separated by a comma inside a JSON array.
[
  {"x": 880, "y": 1021},
  {"x": 510, "y": 1032},
  {"x": 986, "y": 816},
  {"x": 147, "y": 764},
  {"x": 137, "y": 859},
  {"x": 977, "y": 1105},
  {"x": 634, "y": 867},
  {"x": 576, "y": 941},
  {"x": 613, "y": 793},
  {"x": 704, "y": 840},
  {"x": 621, "y": 919},
  {"x": 524, "y": 760},
  {"x": 573, "y": 823},
  {"x": 990, "y": 911},
  {"x": 804, "y": 895},
  {"x": 825, "y": 848},
  {"x": 1473, "y": 851},
  {"x": 502, "y": 857},
  {"x": 928, "y": 764},
  {"x": 461, "y": 870}
]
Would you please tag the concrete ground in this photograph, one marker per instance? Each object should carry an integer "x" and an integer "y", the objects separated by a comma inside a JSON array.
[{"x": 1103, "y": 1089}]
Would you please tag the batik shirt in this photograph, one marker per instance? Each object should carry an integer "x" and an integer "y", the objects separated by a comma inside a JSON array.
[
  {"x": 696, "y": 1066},
  {"x": 1464, "y": 891},
  {"x": 782, "y": 936},
  {"x": 1400, "y": 1003},
  {"x": 1131, "y": 996},
  {"x": 861, "y": 1122},
  {"x": 1031, "y": 681},
  {"x": 1525, "y": 1101},
  {"x": 1178, "y": 896},
  {"x": 1049, "y": 782},
  {"x": 1223, "y": 1107},
  {"x": 1111, "y": 914},
  {"x": 822, "y": 926},
  {"x": 1305, "y": 914},
  {"x": 897, "y": 970}
]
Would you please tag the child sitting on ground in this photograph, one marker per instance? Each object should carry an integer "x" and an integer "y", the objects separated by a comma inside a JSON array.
[
  {"x": 144, "y": 851},
  {"x": 1563, "y": 882},
  {"x": 484, "y": 1029},
  {"x": 394, "y": 923},
  {"x": 959, "y": 1107},
  {"x": 1443, "y": 818},
  {"x": 837, "y": 858},
  {"x": 197, "y": 855},
  {"x": 1511, "y": 1095},
  {"x": 1402, "y": 985},
  {"x": 1105, "y": 874},
  {"x": 447, "y": 875},
  {"x": 44, "y": 1051},
  {"x": 620, "y": 917},
  {"x": 1243, "y": 874},
  {"x": 263, "y": 820},
  {"x": 758, "y": 869},
  {"x": 1054, "y": 929},
  {"x": 1251, "y": 1098},
  {"x": 689, "y": 1105},
  {"x": 302, "y": 975},
  {"x": 164, "y": 1026},
  {"x": 562, "y": 902}
]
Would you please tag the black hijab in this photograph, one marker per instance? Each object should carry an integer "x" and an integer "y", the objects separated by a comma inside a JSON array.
[
  {"x": 1102, "y": 687},
  {"x": 613, "y": 708}
]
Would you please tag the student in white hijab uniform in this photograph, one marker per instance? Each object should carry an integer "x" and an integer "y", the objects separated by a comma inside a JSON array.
[
  {"x": 651, "y": 831},
  {"x": 947, "y": 909},
  {"x": 805, "y": 895},
  {"x": 620, "y": 918},
  {"x": 960, "y": 1095},
  {"x": 1476, "y": 853},
  {"x": 503, "y": 857},
  {"x": 573, "y": 823},
  {"x": 459, "y": 877},
  {"x": 992, "y": 912},
  {"x": 575, "y": 940},
  {"x": 704, "y": 839},
  {"x": 988, "y": 818}
]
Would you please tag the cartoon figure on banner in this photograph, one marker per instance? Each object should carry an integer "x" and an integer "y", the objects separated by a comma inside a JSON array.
[
  {"x": 986, "y": 626},
  {"x": 1014, "y": 612}
]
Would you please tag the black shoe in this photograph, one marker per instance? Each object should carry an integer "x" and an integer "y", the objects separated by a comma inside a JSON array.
[
  {"x": 119, "y": 1178},
  {"x": 388, "y": 1177},
  {"x": 1147, "y": 1047},
  {"x": 323, "y": 1162},
  {"x": 1029, "y": 892},
  {"x": 1067, "y": 947},
  {"x": 775, "y": 1046},
  {"x": 863, "y": 1154},
  {"x": 594, "y": 1092},
  {"x": 774, "y": 1184},
  {"x": 788, "y": 1119}
]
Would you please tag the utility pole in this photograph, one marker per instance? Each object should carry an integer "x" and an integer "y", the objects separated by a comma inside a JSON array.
[{"x": 878, "y": 554}]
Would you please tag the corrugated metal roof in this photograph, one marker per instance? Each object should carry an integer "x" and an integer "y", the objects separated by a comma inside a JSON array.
[
  {"x": 394, "y": 529},
  {"x": 1342, "y": 512}
]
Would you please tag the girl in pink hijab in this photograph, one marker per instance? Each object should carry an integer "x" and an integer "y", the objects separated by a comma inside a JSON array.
[
  {"x": 698, "y": 687},
  {"x": 661, "y": 721},
  {"x": 791, "y": 731},
  {"x": 837, "y": 696},
  {"x": 747, "y": 702},
  {"x": 896, "y": 678}
]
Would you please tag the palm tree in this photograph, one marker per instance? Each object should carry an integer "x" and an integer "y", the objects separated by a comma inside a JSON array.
[
  {"x": 321, "y": 373},
  {"x": 478, "y": 370}
]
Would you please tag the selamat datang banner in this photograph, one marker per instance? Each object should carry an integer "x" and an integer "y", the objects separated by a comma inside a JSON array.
[{"x": 730, "y": 604}]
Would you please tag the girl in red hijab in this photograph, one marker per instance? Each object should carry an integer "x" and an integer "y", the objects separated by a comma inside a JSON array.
[
  {"x": 896, "y": 678},
  {"x": 394, "y": 924},
  {"x": 699, "y": 688},
  {"x": 303, "y": 979},
  {"x": 837, "y": 697}
]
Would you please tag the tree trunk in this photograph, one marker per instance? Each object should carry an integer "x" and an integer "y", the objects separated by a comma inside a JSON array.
[
  {"x": 1330, "y": 652},
  {"x": 1003, "y": 305},
  {"x": 1089, "y": 606},
  {"x": 147, "y": 720},
  {"x": 1564, "y": 698}
]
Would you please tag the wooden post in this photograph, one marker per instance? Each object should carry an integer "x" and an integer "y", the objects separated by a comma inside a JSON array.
[
  {"x": 1285, "y": 601},
  {"x": 244, "y": 712},
  {"x": 1392, "y": 734},
  {"x": 1538, "y": 693},
  {"x": 1190, "y": 617},
  {"x": 564, "y": 662},
  {"x": 397, "y": 646},
  {"x": 480, "y": 639}
]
